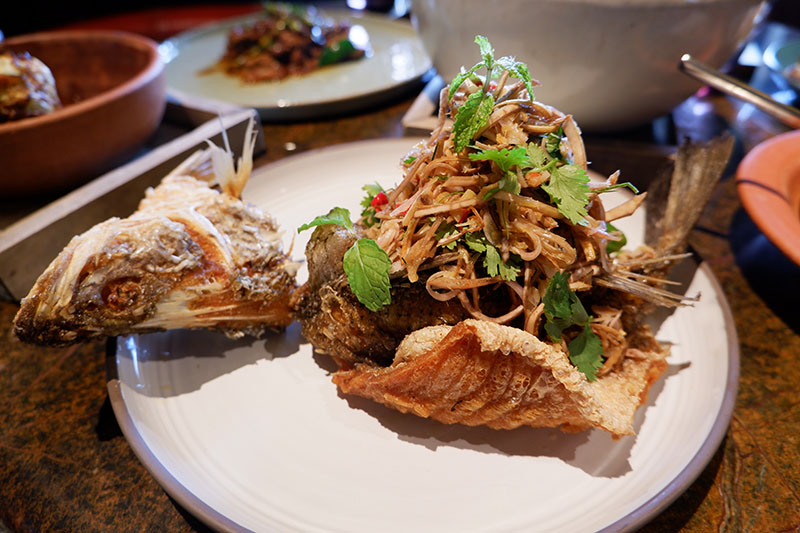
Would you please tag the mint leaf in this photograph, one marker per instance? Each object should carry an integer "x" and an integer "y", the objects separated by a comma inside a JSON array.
[
  {"x": 470, "y": 118},
  {"x": 568, "y": 189},
  {"x": 338, "y": 215},
  {"x": 615, "y": 246},
  {"x": 504, "y": 158},
  {"x": 518, "y": 70},
  {"x": 460, "y": 78},
  {"x": 365, "y": 264},
  {"x": 585, "y": 352},
  {"x": 487, "y": 52},
  {"x": 367, "y": 268}
]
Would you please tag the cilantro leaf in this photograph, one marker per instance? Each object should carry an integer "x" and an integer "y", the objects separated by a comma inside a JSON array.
[
  {"x": 510, "y": 183},
  {"x": 537, "y": 157},
  {"x": 368, "y": 212},
  {"x": 445, "y": 231},
  {"x": 495, "y": 266},
  {"x": 563, "y": 310},
  {"x": 470, "y": 118},
  {"x": 568, "y": 189},
  {"x": 371, "y": 189},
  {"x": 476, "y": 241},
  {"x": 615, "y": 246},
  {"x": 585, "y": 351},
  {"x": 367, "y": 268},
  {"x": 552, "y": 143},
  {"x": 504, "y": 158},
  {"x": 338, "y": 215}
]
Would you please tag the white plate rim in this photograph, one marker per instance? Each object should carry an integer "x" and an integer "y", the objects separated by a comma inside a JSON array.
[
  {"x": 319, "y": 108},
  {"x": 631, "y": 521}
]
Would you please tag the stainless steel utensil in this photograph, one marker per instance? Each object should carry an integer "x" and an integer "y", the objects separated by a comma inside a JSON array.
[{"x": 729, "y": 85}]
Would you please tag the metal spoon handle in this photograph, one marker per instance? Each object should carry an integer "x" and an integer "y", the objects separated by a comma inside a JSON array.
[{"x": 736, "y": 88}]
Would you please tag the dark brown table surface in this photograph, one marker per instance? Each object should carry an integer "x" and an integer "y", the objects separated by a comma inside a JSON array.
[{"x": 64, "y": 464}]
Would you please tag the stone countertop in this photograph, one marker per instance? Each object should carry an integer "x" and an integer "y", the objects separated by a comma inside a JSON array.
[{"x": 65, "y": 465}]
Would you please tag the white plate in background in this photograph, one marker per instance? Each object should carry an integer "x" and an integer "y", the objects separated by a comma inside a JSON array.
[{"x": 397, "y": 59}]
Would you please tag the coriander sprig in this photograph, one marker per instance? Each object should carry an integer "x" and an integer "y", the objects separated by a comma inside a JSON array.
[{"x": 564, "y": 310}]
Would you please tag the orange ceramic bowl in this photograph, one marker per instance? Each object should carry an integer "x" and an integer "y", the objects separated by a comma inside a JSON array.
[
  {"x": 112, "y": 88},
  {"x": 768, "y": 182}
]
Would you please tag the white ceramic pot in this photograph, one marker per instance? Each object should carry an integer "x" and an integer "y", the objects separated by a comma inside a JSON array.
[{"x": 612, "y": 64}]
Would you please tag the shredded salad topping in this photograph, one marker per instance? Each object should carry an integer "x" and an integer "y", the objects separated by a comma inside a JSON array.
[{"x": 498, "y": 207}]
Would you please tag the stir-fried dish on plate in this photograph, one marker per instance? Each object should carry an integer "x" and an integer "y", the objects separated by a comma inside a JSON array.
[
  {"x": 489, "y": 286},
  {"x": 288, "y": 40}
]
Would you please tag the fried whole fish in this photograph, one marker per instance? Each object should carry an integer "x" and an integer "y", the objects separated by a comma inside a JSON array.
[
  {"x": 495, "y": 214},
  {"x": 426, "y": 357},
  {"x": 191, "y": 256}
]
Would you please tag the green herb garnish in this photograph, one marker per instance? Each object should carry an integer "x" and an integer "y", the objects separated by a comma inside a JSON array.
[
  {"x": 474, "y": 113},
  {"x": 568, "y": 189},
  {"x": 563, "y": 310},
  {"x": 615, "y": 246},
  {"x": 368, "y": 210},
  {"x": 365, "y": 264},
  {"x": 337, "y": 52}
]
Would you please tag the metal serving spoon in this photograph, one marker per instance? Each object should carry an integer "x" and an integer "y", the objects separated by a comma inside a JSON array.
[{"x": 729, "y": 85}]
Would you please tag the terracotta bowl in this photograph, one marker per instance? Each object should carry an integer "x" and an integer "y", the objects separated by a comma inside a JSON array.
[
  {"x": 113, "y": 92},
  {"x": 768, "y": 182}
]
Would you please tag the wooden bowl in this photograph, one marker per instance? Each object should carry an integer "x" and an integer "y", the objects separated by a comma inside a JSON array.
[{"x": 113, "y": 92}]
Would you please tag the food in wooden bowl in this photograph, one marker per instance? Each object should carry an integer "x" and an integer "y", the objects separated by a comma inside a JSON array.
[{"x": 112, "y": 91}]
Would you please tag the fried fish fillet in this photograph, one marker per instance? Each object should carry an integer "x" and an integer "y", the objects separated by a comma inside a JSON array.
[
  {"x": 482, "y": 373},
  {"x": 191, "y": 256}
]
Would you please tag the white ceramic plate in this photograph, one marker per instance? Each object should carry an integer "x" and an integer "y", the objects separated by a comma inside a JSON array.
[
  {"x": 397, "y": 59},
  {"x": 253, "y": 434}
]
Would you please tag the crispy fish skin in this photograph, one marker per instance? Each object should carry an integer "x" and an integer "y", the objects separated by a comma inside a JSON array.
[
  {"x": 190, "y": 257},
  {"x": 336, "y": 323},
  {"x": 481, "y": 373}
]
